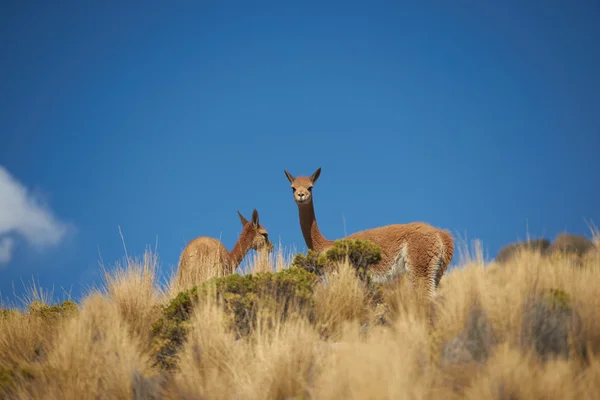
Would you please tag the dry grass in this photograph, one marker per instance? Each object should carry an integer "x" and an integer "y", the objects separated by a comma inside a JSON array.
[
  {"x": 264, "y": 262},
  {"x": 495, "y": 331},
  {"x": 338, "y": 300},
  {"x": 131, "y": 288}
]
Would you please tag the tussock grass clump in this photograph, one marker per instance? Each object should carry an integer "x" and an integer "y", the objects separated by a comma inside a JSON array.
[
  {"x": 25, "y": 332},
  {"x": 340, "y": 299},
  {"x": 130, "y": 286},
  {"x": 94, "y": 356},
  {"x": 11, "y": 378},
  {"x": 25, "y": 339}
]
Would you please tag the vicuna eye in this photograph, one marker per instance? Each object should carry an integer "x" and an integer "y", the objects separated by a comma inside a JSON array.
[
  {"x": 293, "y": 190},
  {"x": 310, "y": 189},
  {"x": 266, "y": 235}
]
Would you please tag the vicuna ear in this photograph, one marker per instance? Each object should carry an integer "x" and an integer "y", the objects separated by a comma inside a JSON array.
[
  {"x": 289, "y": 176},
  {"x": 255, "y": 218},
  {"x": 315, "y": 176},
  {"x": 244, "y": 220}
]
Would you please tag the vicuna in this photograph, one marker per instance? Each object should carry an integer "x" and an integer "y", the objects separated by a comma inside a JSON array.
[
  {"x": 417, "y": 249},
  {"x": 205, "y": 256}
]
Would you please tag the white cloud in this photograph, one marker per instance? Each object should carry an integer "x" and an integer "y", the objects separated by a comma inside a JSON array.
[
  {"x": 6, "y": 246},
  {"x": 23, "y": 214}
]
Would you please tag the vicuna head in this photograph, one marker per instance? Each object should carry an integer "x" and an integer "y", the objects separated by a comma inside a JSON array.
[
  {"x": 260, "y": 236},
  {"x": 302, "y": 187}
]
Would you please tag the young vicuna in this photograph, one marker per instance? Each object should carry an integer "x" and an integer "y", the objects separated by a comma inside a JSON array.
[
  {"x": 417, "y": 249},
  {"x": 204, "y": 256}
]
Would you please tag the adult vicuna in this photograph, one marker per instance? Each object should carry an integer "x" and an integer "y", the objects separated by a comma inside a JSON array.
[
  {"x": 417, "y": 249},
  {"x": 206, "y": 254}
]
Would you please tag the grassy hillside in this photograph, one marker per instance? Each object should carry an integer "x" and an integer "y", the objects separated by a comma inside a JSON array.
[{"x": 528, "y": 328}]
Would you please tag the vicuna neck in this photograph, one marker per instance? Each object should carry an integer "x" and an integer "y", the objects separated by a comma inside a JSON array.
[
  {"x": 238, "y": 252},
  {"x": 310, "y": 230}
]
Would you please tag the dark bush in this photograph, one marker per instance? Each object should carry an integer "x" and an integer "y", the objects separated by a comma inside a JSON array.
[
  {"x": 240, "y": 295},
  {"x": 564, "y": 243},
  {"x": 474, "y": 343},
  {"x": 170, "y": 329},
  {"x": 548, "y": 324},
  {"x": 571, "y": 244},
  {"x": 510, "y": 250}
]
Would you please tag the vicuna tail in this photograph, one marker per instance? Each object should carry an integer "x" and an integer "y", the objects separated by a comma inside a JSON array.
[
  {"x": 446, "y": 252},
  {"x": 448, "y": 249}
]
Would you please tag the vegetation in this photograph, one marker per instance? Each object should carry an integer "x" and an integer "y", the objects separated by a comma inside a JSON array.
[
  {"x": 576, "y": 247},
  {"x": 361, "y": 254},
  {"x": 25, "y": 338},
  {"x": 525, "y": 328},
  {"x": 511, "y": 249},
  {"x": 242, "y": 297},
  {"x": 54, "y": 312}
]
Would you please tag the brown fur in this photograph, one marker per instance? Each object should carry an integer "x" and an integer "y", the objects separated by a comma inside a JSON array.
[
  {"x": 417, "y": 249},
  {"x": 205, "y": 250}
]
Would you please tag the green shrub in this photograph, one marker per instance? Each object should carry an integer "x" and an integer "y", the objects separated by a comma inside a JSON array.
[
  {"x": 6, "y": 313},
  {"x": 313, "y": 262},
  {"x": 243, "y": 295},
  {"x": 558, "y": 299},
  {"x": 240, "y": 295},
  {"x": 52, "y": 313},
  {"x": 361, "y": 254}
]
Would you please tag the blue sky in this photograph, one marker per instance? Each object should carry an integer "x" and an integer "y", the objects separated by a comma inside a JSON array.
[{"x": 164, "y": 120}]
